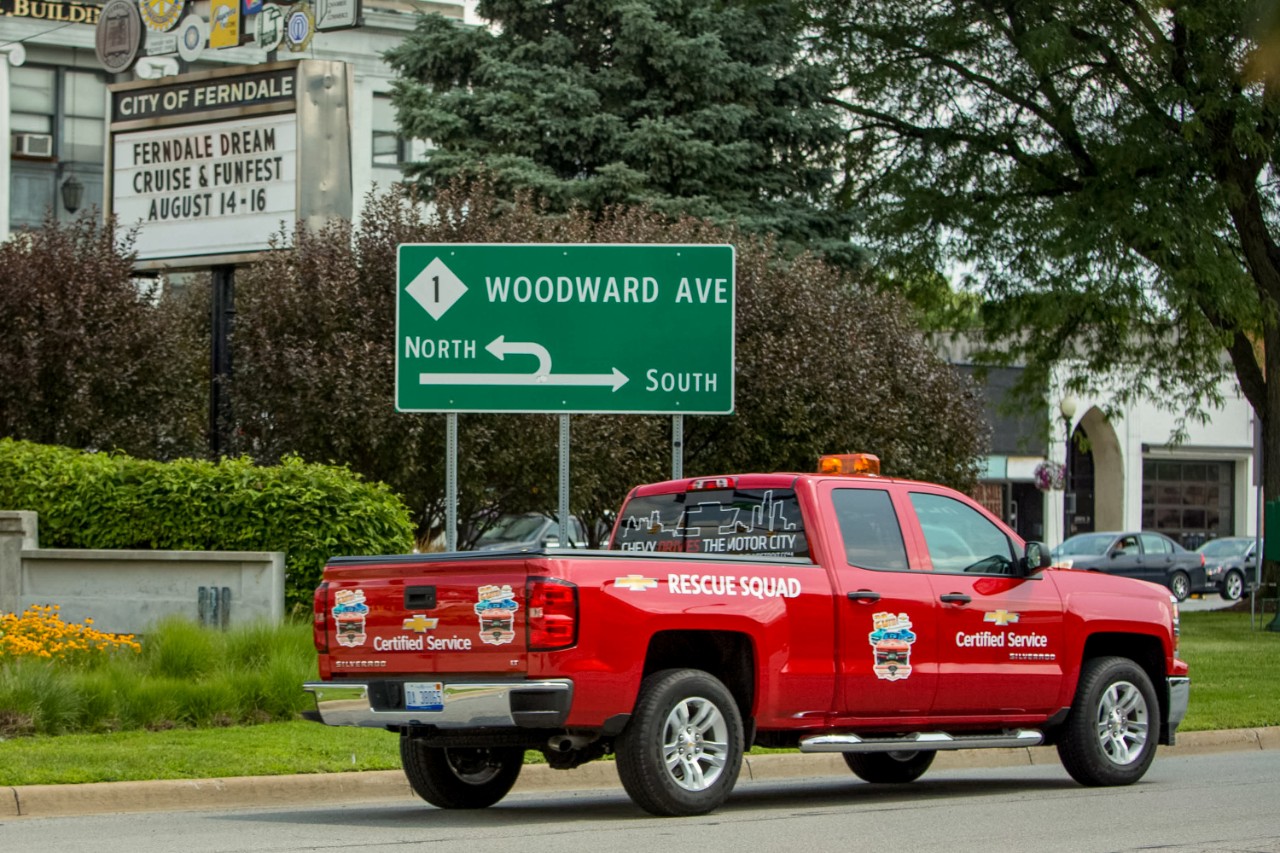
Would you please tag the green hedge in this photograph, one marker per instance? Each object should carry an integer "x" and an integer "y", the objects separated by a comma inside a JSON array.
[{"x": 108, "y": 500}]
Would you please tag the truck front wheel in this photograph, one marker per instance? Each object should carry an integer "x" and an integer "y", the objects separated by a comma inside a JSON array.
[
  {"x": 681, "y": 752},
  {"x": 451, "y": 778},
  {"x": 889, "y": 767},
  {"x": 1111, "y": 733}
]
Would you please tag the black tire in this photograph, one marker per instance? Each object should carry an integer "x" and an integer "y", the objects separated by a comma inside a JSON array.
[
  {"x": 1232, "y": 586},
  {"x": 454, "y": 778},
  {"x": 681, "y": 752},
  {"x": 1180, "y": 585},
  {"x": 1110, "y": 735},
  {"x": 893, "y": 768}
]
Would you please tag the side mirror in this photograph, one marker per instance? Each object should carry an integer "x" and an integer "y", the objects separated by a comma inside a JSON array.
[{"x": 1036, "y": 557}]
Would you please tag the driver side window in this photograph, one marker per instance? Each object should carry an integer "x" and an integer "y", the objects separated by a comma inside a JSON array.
[{"x": 961, "y": 539}]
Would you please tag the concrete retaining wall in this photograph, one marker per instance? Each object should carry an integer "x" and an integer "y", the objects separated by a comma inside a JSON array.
[{"x": 127, "y": 592}]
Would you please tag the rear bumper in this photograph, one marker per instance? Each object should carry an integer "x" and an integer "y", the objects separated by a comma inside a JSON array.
[
  {"x": 380, "y": 704},
  {"x": 1179, "y": 687}
]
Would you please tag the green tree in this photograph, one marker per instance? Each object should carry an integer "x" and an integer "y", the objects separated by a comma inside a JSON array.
[
  {"x": 689, "y": 106},
  {"x": 826, "y": 363},
  {"x": 1103, "y": 169},
  {"x": 91, "y": 358}
]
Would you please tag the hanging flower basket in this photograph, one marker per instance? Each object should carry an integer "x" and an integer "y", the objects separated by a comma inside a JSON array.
[{"x": 1050, "y": 475}]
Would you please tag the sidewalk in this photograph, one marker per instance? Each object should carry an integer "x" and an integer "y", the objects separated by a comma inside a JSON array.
[{"x": 38, "y": 801}]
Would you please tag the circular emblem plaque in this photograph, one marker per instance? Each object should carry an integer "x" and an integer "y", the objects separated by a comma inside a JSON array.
[
  {"x": 269, "y": 28},
  {"x": 300, "y": 26},
  {"x": 161, "y": 15},
  {"x": 193, "y": 36},
  {"x": 118, "y": 38}
]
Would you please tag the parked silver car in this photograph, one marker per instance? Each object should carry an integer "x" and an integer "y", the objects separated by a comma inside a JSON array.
[{"x": 1230, "y": 564}]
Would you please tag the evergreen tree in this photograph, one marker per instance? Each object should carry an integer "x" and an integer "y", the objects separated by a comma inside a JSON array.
[{"x": 701, "y": 107}]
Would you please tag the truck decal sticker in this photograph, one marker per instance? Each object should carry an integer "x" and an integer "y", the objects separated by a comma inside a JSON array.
[
  {"x": 397, "y": 644},
  {"x": 359, "y": 664},
  {"x": 891, "y": 642},
  {"x": 349, "y": 612},
  {"x": 747, "y": 586},
  {"x": 636, "y": 583},
  {"x": 1006, "y": 639},
  {"x": 767, "y": 526},
  {"x": 496, "y": 609},
  {"x": 420, "y": 624}
]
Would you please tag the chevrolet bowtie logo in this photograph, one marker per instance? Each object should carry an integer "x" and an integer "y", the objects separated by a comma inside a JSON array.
[
  {"x": 636, "y": 583},
  {"x": 420, "y": 624},
  {"x": 1000, "y": 617}
]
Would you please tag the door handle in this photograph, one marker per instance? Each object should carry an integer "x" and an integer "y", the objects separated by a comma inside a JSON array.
[
  {"x": 955, "y": 598},
  {"x": 864, "y": 595}
]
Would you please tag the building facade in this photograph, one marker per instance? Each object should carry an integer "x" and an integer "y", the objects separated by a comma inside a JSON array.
[
  {"x": 1123, "y": 469},
  {"x": 54, "y": 104}
]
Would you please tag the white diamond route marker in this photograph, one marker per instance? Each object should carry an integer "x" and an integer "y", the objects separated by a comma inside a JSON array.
[{"x": 436, "y": 288}]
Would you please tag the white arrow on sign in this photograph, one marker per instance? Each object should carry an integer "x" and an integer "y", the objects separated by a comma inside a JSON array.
[
  {"x": 501, "y": 349},
  {"x": 542, "y": 376}
]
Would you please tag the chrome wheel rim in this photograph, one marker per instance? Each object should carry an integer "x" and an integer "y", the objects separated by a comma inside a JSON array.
[
  {"x": 475, "y": 767},
  {"x": 1123, "y": 723},
  {"x": 695, "y": 744},
  {"x": 1235, "y": 586},
  {"x": 1181, "y": 587}
]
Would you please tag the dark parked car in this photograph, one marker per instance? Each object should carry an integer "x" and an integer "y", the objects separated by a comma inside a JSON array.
[
  {"x": 528, "y": 532},
  {"x": 1230, "y": 564},
  {"x": 1140, "y": 554}
]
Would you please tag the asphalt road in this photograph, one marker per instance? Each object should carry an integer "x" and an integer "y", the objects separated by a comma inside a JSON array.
[{"x": 1225, "y": 801}]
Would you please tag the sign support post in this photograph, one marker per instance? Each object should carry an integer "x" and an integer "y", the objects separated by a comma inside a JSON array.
[
  {"x": 224, "y": 312},
  {"x": 677, "y": 447},
  {"x": 451, "y": 482},
  {"x": 564, "y": 481}
]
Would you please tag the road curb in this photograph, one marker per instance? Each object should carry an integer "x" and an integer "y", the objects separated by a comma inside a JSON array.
[{"x": 37, "y": 801}]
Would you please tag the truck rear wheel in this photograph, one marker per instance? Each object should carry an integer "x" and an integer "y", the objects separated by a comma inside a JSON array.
[
  {"x": 1111, "y": 733},
  {"x": 889, "y": 767},
  {"x": 451, "y": 778},
  {"x": 681, "y": 752}
]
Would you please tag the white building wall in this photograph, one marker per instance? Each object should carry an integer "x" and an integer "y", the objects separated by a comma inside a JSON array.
[{"x": 1145, "y": 431}]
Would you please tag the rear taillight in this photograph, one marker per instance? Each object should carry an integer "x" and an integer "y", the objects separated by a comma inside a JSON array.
[
  {"x": 319, "y": 634},
  {"x": 553, "y": 614}
]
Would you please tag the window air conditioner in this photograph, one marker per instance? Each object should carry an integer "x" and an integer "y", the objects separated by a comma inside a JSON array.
[{"x": 33, "y": 144}]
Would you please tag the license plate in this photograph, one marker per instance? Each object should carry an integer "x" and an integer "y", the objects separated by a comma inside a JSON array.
[{"x": 424, "y": 696}]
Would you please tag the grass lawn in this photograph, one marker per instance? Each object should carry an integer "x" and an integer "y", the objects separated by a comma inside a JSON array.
[
  {"x": 1235, "y": 683},
  {"x": 1235, "y": 671}
]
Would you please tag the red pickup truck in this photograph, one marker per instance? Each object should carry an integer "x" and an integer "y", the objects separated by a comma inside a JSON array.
[{"x": 833, "y": 612}]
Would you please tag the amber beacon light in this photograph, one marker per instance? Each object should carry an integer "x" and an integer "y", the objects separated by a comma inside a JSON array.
[{"x": 863, "y": 464}]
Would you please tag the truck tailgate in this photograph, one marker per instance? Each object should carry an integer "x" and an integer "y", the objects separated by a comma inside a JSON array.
[{"x": 429, "y": 613}]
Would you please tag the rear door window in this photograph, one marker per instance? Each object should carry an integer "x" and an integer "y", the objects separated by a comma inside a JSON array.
[
  {"x": 1153, "y": 544},
  {"x": 869, "y": 528},
  {"x": 752, "y": 522}
]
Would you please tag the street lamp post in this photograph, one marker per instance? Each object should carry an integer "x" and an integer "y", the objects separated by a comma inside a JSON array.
[{"x": 1067, "y": 408}]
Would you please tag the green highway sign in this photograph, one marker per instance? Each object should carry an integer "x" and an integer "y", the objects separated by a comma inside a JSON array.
[{"x": 641, "y": 329}]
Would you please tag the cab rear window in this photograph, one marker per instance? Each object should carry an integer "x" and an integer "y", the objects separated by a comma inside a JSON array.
[{"x": 754, "y": 522}]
